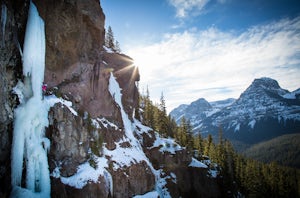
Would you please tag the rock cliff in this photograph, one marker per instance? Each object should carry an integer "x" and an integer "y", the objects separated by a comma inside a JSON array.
[{"x": 98, "y": 148}]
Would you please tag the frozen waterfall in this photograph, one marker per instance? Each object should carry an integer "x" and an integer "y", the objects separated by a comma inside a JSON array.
[{"x": 30, "y": 146}]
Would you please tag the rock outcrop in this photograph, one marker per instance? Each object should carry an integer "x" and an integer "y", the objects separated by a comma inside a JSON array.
[{"x": 187, "y": 181}]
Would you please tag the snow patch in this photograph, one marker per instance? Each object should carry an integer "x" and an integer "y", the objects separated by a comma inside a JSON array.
[
  {"x": 108, "y": 50},
  {"x": 252, "y": 123},
  {"x": 85, "y": 174},
  {"x": 289, "y": 96},
  {"x": 213, "y": 173},
  {"x": 152, "y": 194},
  {"x": 107, "y": 123},
  {"x": 237, "y": 127},
  {"x": 174, "y": 178},
  {"x": 166, "y": 144},
  {"x": 197, "y": 164},
  {"x": 52, "y": 100},
  {"x": 142, "y": 128}
]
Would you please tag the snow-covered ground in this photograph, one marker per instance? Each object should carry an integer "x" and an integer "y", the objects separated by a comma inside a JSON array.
[
  {"x": 196, "y": 163},
  {"x": 166, "y": 144},
  {"x": 86, "y": 173}
]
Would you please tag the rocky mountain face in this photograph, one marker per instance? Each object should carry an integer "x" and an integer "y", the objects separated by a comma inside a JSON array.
[
  {"x": 97, "y": 146},
  {"x": 263, "y": 111}
]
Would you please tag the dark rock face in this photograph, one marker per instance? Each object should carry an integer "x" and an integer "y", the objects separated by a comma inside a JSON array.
[
  {"x": 133, "y": 180},
  {"x": 76, "y": 62},
  {"x": 75, "y": 34},
  {"x": 69, "y": 140},
  {"x": 13, "y": 22},
  {"x": 74, "y": 47}
]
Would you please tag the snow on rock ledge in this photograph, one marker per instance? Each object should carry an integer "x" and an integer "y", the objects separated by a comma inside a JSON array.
[{"x": 197, "y": 164}]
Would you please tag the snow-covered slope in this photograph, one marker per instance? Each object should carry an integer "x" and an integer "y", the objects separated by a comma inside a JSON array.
[{"x": 263, "y": 108}]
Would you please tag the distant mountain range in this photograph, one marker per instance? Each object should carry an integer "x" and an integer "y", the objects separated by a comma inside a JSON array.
[{"x": 263, "y": 111}]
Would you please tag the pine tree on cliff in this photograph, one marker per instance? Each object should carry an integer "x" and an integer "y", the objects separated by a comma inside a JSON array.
[
  {"x": 182, "y": 132},
  {"x": 189, "y": 136},
  {"x": 148, "y": 110},
  {"x": 117, "y": 47},
  {"x": 110, "y": 39},
  {"x": 161, "y": 118}
]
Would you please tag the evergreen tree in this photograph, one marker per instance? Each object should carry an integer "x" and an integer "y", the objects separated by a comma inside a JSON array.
[
  {"x": 182, "y": 131},
  {"x": 117, "y": 47},
  {"x": 110, "y": 39},
  {"x": 198, "y": 144},
  {"x": 161, "y": 120},
  {"x": 189, "y": 136},
  {"x": 148, "y": 110},
  {"x": 172, "y": 127},
  {"x": 208, "y": 145},
  {"x": 162, "y": 105}
]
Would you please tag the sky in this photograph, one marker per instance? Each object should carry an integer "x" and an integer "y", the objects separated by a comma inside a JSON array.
[{"x": 212, "y": 49}]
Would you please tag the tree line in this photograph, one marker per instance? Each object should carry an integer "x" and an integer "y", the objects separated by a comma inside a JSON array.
[{"x": 238, "y": 175}]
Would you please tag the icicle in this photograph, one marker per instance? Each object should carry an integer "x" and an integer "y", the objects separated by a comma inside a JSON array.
[
  {"x": 3, "y": 22},
  {"x": 34, "y": 50},
  {"x": 109, "y": 180},
  {"x": 20, "y": 50},
  {"x": 31, "y": 116}
]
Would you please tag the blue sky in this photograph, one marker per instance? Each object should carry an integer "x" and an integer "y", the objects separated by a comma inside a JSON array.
[{"x": 213, "y": 49}]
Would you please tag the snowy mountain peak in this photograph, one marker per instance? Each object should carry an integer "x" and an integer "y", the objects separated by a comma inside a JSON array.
[
  {"x": 201, "y": 104},
  {"x": 265, "y": 84}
]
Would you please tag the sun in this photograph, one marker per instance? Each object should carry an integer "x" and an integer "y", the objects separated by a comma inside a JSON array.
[{"x": 144, "y": 61}]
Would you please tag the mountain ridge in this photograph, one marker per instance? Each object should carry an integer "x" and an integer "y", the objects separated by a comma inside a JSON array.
[{"x": 263, "y": 107}]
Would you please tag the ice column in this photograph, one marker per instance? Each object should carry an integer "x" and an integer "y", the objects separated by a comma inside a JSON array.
[{"x": 29, "y": 147}]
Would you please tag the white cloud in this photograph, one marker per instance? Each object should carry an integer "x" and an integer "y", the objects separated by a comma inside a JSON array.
[
  {"x": 216, "y": 65},
  {"x": 184, "y": 7}
]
